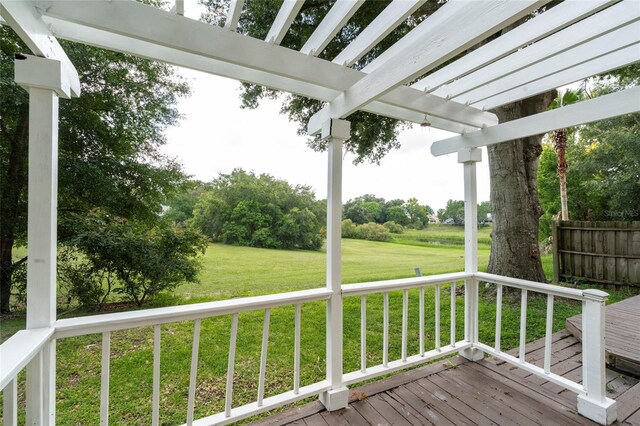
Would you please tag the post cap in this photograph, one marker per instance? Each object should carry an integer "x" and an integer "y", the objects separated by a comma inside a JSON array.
[
  {"x": 596, "y": 295},
  {"x": 43, "y": 73},
  {"x": 469, "y": 155},
  {"x": 336, "y": 128}
]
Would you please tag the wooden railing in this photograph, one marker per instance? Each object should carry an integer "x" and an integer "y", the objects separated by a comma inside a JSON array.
[{"x": 26, "y": 347}]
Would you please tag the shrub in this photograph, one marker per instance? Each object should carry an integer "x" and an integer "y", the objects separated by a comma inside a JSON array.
[
  {"x": 373, "y": 232},
  {"x": 394, "y": 228},
  {"x": 349, "y": 229}
]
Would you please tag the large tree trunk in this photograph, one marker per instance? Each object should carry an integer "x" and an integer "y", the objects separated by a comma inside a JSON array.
[
  {"x": 515, "y": 206},
  {"x": 560, "y": 146}
]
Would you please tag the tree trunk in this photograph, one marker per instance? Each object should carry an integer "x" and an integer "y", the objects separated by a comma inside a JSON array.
[
  {"x": 515, "y": 206},
  {"x": 560, "y": 146},
  {"x": 12, "y": 204}
]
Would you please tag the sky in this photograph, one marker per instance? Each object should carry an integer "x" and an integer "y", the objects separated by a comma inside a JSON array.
[{"x": 216, "y": 135}]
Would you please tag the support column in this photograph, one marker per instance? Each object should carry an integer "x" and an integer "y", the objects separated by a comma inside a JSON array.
[
  {"x": 469, "y": 157},
  {"x": 41, "y": 77},
  {"x": 335, "y": 132},
  {"x": 594, "y": 404}
]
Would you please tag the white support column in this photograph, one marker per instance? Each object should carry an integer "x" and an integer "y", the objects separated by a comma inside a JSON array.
[
  {"x": 335, "y": 132},
  {"x": 469, "y": 158},
  {"x": 40, "y": 77},
  {"x": 594, "y": 404}
]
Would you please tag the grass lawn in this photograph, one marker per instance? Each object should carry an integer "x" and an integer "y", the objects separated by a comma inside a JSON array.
[{"x": 238, "y": 271}]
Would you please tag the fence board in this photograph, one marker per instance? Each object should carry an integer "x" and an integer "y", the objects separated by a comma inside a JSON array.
[{"x": 605, "y": 252}]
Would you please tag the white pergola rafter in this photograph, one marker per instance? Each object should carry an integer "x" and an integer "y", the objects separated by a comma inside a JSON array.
[
  {"x": 610, "y": 42},
  {"x": 336, "y": 18},
  {"x": 287, "y": 13},
  {"x": 559, "y": 17},
  {"x": 233, "y": 15},
  {"x": 429, "y": 47},
  {"x": 602, "y": 64},
  {"x": 392, "y": 16},
  {"x": 585, "y": 32},
  {"x": 185, "y": 42},
  {"x": 536, "y": 56}
]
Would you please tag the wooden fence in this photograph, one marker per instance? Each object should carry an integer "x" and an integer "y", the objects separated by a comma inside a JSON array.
[{"x": 602, "y": 252}]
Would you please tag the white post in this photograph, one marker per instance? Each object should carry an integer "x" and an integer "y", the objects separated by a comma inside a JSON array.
[
  {"x": 42, "y": 78},
  {"x": 594, "y": 404},
  {"x": 335, "y": 132},
  {"x": 469, "y": 158}
]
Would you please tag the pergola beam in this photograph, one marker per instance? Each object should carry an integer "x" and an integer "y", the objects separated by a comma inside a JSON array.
[
  {"x": 557, "y": 18},
  {"x": 392, "y": 16},
  {"x": 432, "y": 46},
  {"x": 23, "y": 17},
  {"x": 335, "y": 19},
  {"x": 287, "y": 13},
  {"x": 567, "y": 59},
  {"x": 583, "y": 32},
  {"x": 603, "y": 107},
  {"x": 233, "y": 15},
  {"x": 602, "y": 64},
  {"x": 194, "y": 44}
]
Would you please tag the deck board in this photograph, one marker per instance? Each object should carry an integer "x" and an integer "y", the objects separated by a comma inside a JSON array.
[
  {"x": 459, "y": 392},
  {"x": 622, "y": 334}
]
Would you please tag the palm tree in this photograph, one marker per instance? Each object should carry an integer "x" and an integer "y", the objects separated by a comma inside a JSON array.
[{"x": 559, "y": 140}]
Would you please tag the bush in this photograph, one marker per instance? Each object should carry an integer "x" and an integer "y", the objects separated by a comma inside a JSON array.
[
  {"x": 373, "y": 232},
  {"x": 127, "y": 258},
  {"x": 349, "y": 229},
  {"x": 394, "y": 228}
]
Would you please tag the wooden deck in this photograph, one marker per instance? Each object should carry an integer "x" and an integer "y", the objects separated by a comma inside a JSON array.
[
  {"x": 458, "y": 392},
  {"x": 622, "y": 334}
]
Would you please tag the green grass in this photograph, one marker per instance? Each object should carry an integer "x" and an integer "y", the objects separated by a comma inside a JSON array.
[{"x": 239, "y": 271}]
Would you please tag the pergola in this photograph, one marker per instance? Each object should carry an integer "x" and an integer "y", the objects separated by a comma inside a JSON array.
[{"x": 569, "y": 42}]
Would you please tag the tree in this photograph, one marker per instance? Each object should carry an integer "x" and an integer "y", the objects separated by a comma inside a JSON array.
[
  {"x": 513, "y": 164},
  {"x": 109, "y": 141},
  {"x": 180, "y": 208},
  {"x": 454, "y": 210},
  {"x": 260, "y": 211},
  {"x": 559, "y": 138},
  {"x": 128, "y": 258},
  {"x": 484, "y": 210},
  {"x": 418, "y": 215},
  {"x": 603, "y": 162}
]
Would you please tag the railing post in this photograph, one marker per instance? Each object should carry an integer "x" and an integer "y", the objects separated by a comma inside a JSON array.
[
  {"x": 594, "y": 404},
  {"x": 41, "y": 77},
  {"x": 335, "y": 132},
  {"x": 469, "y": 157}
]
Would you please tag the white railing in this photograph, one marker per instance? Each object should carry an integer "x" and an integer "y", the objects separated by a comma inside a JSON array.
[
  {"x": 592, "y": 392},
  {"x": 105, "y": 324},
  {"x": 21, "y": 349},
  {"x": 26, "y": 347},
  {"x": 404, "y": 285}
]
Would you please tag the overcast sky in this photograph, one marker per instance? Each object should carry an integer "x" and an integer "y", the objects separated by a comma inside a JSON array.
[{"x": 216, "y": 136}]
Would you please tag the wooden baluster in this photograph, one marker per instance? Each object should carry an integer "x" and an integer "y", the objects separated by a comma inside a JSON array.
[
  {"x": 437, "y": 317},
  {"x": 385, "y": 330},
  {"x": 498, "y": 316},
  {"x": 421, "y": 301},
  {"x": 363, "y": 333},
  {"x": 104, "y": 378},
  {"x": 231, "y": 365},
  {"x": 523, "y": 324},
  {"x": 547, "y": 337},
  {"x": 155, "y": 415},
  {"x": 405, "y": 314}
]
